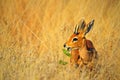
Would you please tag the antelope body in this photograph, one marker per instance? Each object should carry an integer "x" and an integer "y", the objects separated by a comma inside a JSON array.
[{"x": 81, "y": 49}]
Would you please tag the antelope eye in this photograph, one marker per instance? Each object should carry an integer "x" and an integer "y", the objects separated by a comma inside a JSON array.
[{"x": 75, "y": 39}]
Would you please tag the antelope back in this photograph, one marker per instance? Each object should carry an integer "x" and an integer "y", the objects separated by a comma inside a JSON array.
[{"x": 77, "y": 38}]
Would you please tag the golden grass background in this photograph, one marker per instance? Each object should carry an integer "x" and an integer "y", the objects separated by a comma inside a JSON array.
[{"x": 32, "y": 34}]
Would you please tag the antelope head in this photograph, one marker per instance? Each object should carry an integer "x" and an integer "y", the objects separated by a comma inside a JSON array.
[{"x": 76, "y": 39}]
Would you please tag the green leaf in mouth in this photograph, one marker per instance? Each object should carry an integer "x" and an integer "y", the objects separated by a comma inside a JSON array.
[{"x": 66, "y": 52}]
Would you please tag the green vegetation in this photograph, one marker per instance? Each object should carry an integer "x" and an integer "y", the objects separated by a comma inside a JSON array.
[
  {"x": 63, "y": 62},
  {"x": 66, "y": 53}
]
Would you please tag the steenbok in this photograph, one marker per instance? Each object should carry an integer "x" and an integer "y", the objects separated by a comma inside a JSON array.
[{"x": 83, "y": 53}]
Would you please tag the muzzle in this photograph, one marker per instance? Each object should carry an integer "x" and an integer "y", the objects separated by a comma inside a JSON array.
[{"x": 70, "y": 48}]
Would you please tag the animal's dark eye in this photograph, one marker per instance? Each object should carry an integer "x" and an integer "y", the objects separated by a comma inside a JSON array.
[{"x": 75, "y": 39}]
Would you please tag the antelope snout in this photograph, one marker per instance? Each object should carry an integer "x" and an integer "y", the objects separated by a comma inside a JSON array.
[
  {"x": 67, "y": 47},
  {"x": 64, "y": 45}
]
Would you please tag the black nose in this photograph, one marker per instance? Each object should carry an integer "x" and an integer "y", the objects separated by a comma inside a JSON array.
[
  {"x": 68, "y": 48},
  {"x": 64, "y": 45}
]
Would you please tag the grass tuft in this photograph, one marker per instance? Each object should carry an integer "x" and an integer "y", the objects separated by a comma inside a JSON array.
[{"x": 62, "y": 62}]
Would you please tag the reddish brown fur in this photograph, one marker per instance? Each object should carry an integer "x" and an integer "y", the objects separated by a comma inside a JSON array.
[
  {"x": 89, "y": 44},
  {"x": 82, "y": 50},
  {"x": 74, "y": 57}
]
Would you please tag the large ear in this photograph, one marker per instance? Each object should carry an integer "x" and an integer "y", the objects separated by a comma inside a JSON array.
[
  {"x": 88, "y": 27},
  {"x": 82, "y": 24}
]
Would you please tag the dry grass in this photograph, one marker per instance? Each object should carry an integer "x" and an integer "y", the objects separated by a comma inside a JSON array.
[{"x": 32, "y": 34}]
